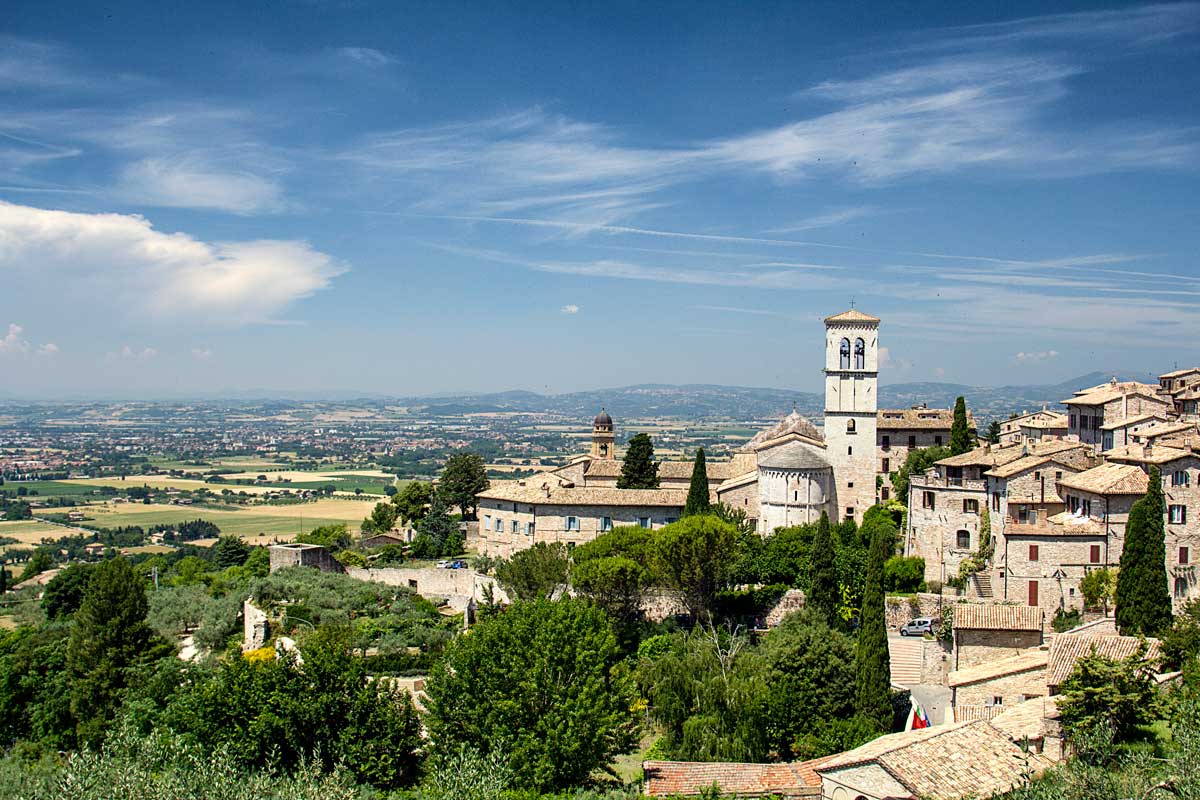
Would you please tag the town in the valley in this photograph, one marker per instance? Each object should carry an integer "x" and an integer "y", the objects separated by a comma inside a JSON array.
[{"x": 1004, "y": 547}]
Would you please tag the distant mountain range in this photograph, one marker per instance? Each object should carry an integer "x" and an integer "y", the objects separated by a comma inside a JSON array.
[{"x": 709, "y": 400}]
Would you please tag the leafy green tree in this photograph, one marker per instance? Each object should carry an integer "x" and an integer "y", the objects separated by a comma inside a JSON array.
[
  {"x": 1099, "y": 588},
  {"x": 18, "y": 511},
  {"x": 695, "y": 557},
  {"x": 915, "y": 463},
  {"x": 3, "y": 579},
  {"x": 872, "y": 661},
  {"x": 993, "y": 431},
  {"x": 535, "y": 573},
  {"x": 466, "y": 774},
  {"x": 1143, "y": 599},
  {"x": 109, "y": 638},
  {"x": 381, "y": 520},
  {"x": 64, "y": 593},
  {"x": 463, "y": 478},
  {"x": 258, "y": 565},
  {"x": 230, "y": 551},
  {"x": 276, "y": 714},
  {"x": 437, "y": 534},
  {"x": 39, "y": 562},
  {"x": 331, "y": 537},
  {"x": 960, "y": 433},
  {"x": 35, "y": 695},
  {"x": 1118, "y": 695},
  {"x": 543, "y": 682},
  {"x": 177, "y": 610},
  {"x": 412, "y": 501},
  {"x": 1181, "y": 644},
  {"x": 611, "y": 570},
  {"x": 697, "y": 499},
  {"x": 824, "y": 596},
  {"x": 904, "y": 574},
  {"x": 639, "y": 470}
]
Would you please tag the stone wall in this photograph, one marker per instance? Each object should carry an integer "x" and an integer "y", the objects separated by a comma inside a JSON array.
[
  {"x": 899, "y": 610},
  {"x": 933, "y": 532},
  {"x": 975, "y": 647},
  {"x": 1011, "y": 689},
  {"x": 458, "y": 586},
  {"x": 935, "y": 662},
  {"x": 255, "y": 627},
  {"x": 744, "y": 497},
  {"x": 550, "y": 523},
  {"x": 791, "y": 602},
  {"x": 303, "y": 555}
]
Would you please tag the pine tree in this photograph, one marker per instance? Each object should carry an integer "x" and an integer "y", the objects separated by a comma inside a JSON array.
[
  {"x": 1143, "y": 598},
  {"x": 697, "y": 499},
  {"x": 993, "y": 431},
  {"x": 872, "y": 661},
  {"x": 109, "y": 637},
  {"x": 639, "y": 470},
  {"x": 824, "y": 593},
  {"x": 960, "y": 434}
]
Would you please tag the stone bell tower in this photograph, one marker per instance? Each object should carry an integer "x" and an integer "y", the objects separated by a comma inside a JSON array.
[
  {"x": 851, "y": 401},
  {"x": 602, "y": 436}
]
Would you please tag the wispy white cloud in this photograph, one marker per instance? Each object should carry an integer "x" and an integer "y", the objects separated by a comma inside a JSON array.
[
  {"x": 570, "y": 308},
  {"x": 127, "y": 353},
  {"x": 367, "y": 56},
  {"x": 123, "y": 260},
  {"x": 828, "y": 219},
  {"x": 1042, "y": 355},
  {"x": 170, "y": 182}
]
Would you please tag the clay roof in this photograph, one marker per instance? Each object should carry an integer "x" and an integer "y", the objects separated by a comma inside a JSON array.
[
  {"x": 1066, "y": 650},
  {"x": 853, "y": 315},
  {"x": 1051, "y": 420},
  {"x": 1140, "y": 454},
  {"x": 996, "y": 617},
  {"x": 1027, "y": 720},
  {"x": 1179, "y": 372},
  {"x": 946, "y": 762},
  {"x": 550, "y": 489},
  {"x": 1022, "y": 662},
  {"x": 1107, "y": 394},
  {"x": 792, "y": 423},
  {"x": 1063, "y": 523},
  {"x": 717, "y": 470},
  {"x": 1109, "y": 479},
  {"x": 994, "y": 455},
  {"x": 895, "y": 419},
  {"x": 1028, "y": 462},
  {"x": 1166, "y": 428},
  {"x": 793, "y": 455},
  {"x": 668, "y": 778},
  {"x": 1125, "y": 422}
]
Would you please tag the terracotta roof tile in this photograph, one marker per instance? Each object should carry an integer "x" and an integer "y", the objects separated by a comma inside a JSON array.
[
  {"x": 1022, "y": 662},
  {"x": 551, "y": 489},
  {"x": 1140, "y": 454},
  {"x": 1109, "y": 479},
  {"x": 853, "y": 315},
  {"x": 1066, "y": 649},
  {"x": 904, "y": 419},
  {"x": 996, "y": 617}
]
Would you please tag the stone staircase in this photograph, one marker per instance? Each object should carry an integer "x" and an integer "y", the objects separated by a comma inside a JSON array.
[
  {"x": 983, "y": 585},
  {"x": 906, "y": 657}
]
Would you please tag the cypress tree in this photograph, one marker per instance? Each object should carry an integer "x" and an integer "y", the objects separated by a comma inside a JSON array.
[
  {"x": 824, "y": 594},
  {"x": 960, "y": 434},
  {"x": 639, "y": 469},
  {"x": 872, "y": 661},
  {"x": 1143, "y": 598},
  {"x": 697, "y": 499}
]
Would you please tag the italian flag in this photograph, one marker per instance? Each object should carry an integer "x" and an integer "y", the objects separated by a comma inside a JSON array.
[{"x": 917, "y": 718}]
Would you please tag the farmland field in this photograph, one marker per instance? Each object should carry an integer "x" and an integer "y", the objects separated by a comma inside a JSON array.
[
  {"x": 31, "y": 532},
  {"x": 50, "y": 488},
  {"x": 256, "y": 524}
]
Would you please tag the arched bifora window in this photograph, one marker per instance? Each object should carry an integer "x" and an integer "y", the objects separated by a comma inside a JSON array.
[
  {"x": 845, "y": 350},
  {"x": 860, "y": 354}
]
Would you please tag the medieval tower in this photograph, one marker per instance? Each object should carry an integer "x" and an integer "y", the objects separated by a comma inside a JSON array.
[
  {"x": 851, "y": 378},
  {"x": 602, "y": 436}
]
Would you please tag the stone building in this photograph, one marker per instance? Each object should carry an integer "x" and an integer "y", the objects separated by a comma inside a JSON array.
[
  {"x": 851, "y": 406},
  {"x": 985, "y": 632},
  {"x": 1183, "y": 387},
  {"x": 986, "y": 690},
  {"x": 902, "y": 430},
  {"x": 1090, "y": 410},
  {"x": 1033, "y": 426}
]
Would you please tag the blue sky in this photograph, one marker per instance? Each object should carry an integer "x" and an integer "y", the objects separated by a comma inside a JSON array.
[{"x": 426, "y": 197}]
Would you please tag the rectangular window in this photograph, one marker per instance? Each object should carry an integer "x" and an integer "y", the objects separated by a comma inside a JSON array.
[
  {"x": 572, "y": 523},
  {"x": 937, "y": 441},
  {"x": 887, "y": 443},
  {"x": 995, "y": 501},
  {"x": 970, "y": 506},
  {"x": 912, "y": 441},
  {"x": 1037, "y": 475},
  {"x": 499, "y": 525},
  {"x": 606, "y": 523},
  {"x": 1178, "y": 514},
  {"x": 644, "y": 522},
  {"x": 516, "y": 526},
  {"x": 1087, "y": 508},
  {"x": 529, "y": 528},
  {"x": 1073, "y": 423},
  {"x": 927, "y": 500},
  {"x": 1179, "y": 477},
  {"x": 1033, "y": 552},
  {"x": 1185, "y": 556},
  {"x": 487, "y": 522},
  {"x": 996, "y": 701},
  {"x": 887, "y": 466},
  {"x": 1094, "y": 555},
  {"x": 963, "y": 540},
  {"x": 884, "y": 493}
]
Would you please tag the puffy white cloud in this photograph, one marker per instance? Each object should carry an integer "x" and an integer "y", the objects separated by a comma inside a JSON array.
[
  {"x": 48, "y": 349},
  {"x": 128, "y": 353},
  {"x": 121, "y": 259},
  {"x": 14, "y": 342},
  {"x": 570, "y": 308}
]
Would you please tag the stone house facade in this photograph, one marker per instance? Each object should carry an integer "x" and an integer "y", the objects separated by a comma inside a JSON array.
[
  {"x": 988, "y": 689},
  {"x": 1033, "y": 426},
  {"x": 985, "y": 632},
  {"x": 1091, "y": 409},
  {"x": 902, "y": 430}
]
